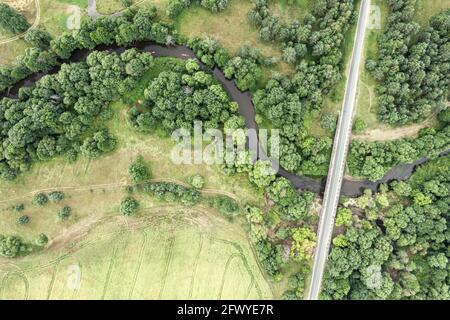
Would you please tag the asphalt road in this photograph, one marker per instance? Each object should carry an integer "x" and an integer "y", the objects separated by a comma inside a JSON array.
[{"x": 338, "y": 158}]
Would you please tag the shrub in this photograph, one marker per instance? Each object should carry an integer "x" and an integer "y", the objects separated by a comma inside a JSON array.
[
  {"x": 42, "y": 240},
  {"x": 19, "y": 207},
  {"x": 56, "y": 196},
  {"x": 173, "y": 192},
  {"x": 197, "y": 181},
  {"x": 23, "y": 220},
  {"x": 138, "y": 171},
  {"x": 128, "y": 206},
  {"x": 64, "y": 213},
  {"x": 40, "y": 199},
  {"x": 225, "y": 205}
]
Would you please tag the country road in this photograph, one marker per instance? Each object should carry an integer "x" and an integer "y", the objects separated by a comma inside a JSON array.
[{"x": 338, "y": 158}]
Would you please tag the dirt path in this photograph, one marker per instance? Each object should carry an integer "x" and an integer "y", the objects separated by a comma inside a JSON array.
[
  {"x": 122, "y": 184},
  {"x": 388, "y": 134}
]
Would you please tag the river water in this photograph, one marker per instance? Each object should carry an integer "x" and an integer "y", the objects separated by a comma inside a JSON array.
[{"x": 350, "y": 188}]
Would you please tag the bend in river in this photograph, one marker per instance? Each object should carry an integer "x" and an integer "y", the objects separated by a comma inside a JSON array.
[{"x": 351, "y": 188}]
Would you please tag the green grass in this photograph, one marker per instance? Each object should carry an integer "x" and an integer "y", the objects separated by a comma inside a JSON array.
[
  {"x": 230, "y": 27},
  {"x": 425, "y": 9},
  {"x": 171, "y": 253},
  {"x": 54, "y": 16},
  {"x": 81, "y": 3},
  {"x": 169, "y": 240},
  {"x": 366, "y": 99},
  {"x": 291, "y": 12}
]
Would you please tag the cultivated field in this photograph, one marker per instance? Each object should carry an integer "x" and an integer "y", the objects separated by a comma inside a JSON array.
[
  {"x": 166, "y": 251},
  {"x": 171, "y": 253}
]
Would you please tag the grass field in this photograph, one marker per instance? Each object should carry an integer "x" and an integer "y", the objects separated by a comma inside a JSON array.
[
  {"x": 171, "y": 253},
  {"x": 230, "y": 27},
  {"x": 166, "y": 251},
  {"x": 171, "y": 241},
  {"x": 290, "y": 12},
  {"x": 53, "y": 18}
]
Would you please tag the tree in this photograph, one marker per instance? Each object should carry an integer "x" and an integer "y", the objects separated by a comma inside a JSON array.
[
  {"x": 344, "y": 217},
  {"x": 40, "y": 199},
  {"x": 23, "y": 220},
  {"x": 42, "y": 240},
  {"x": 12, "y": 246},
  {"x": 56, "y": 196},
  {"x": 64, "y": 213},
  {"x": 328, "y": 122},
  {"x": 99, "y": 143},
  {"x": 359, "y": 125},
  {"x": 12, "y": 20},
  {"x": 38, "y": 38},
  {"x": 262, "y": 174},
  {"x": 139, "y": 171},
  {"x": 197, "y": 181},
  {"x": 129, "y": 206},
  {"x": 304, "y": 243}
]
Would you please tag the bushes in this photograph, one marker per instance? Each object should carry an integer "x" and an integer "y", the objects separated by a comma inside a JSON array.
[
  {"x": 270, "y": 257},
  {"x": 23, "y": 220},
  {"x": 12, "y": 246},
  {"x": 225, "y": 205},
  {"x": 12, "y": 20},
  {"x": 55, "y": 196},
  {"x": 129, "y": 206},
  {"x": 139, "y": 171},
  {"x": 38, "y": 38},
  {"x": 40, "y": 199},
  {"x": 42, "y": 240},
  {"x": 175, "y": 7},
  {"x": 172, "y": 192},
  {"x": 197, "y": 181},
  {"x": 57, "y": 116},
  {"x": 374, "y": 159},
  {"x": 64, "y": 213}
]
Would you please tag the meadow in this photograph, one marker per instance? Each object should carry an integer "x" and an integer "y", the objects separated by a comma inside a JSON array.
[{"x": 170, "y": 253}]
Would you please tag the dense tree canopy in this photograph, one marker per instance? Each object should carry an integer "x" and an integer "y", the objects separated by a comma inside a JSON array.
[
  {"x": 181, "y": 95},
  {"x": 374, "y": 159},
  {"x": 56, "y": 117},
  {"x": 133, "y": 25},
  {"x": 399, "y": 248},
  {"x": 413, "y": 65}
]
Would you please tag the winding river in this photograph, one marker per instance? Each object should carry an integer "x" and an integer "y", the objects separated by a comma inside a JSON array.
[{"x": 351, "y": 188}]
